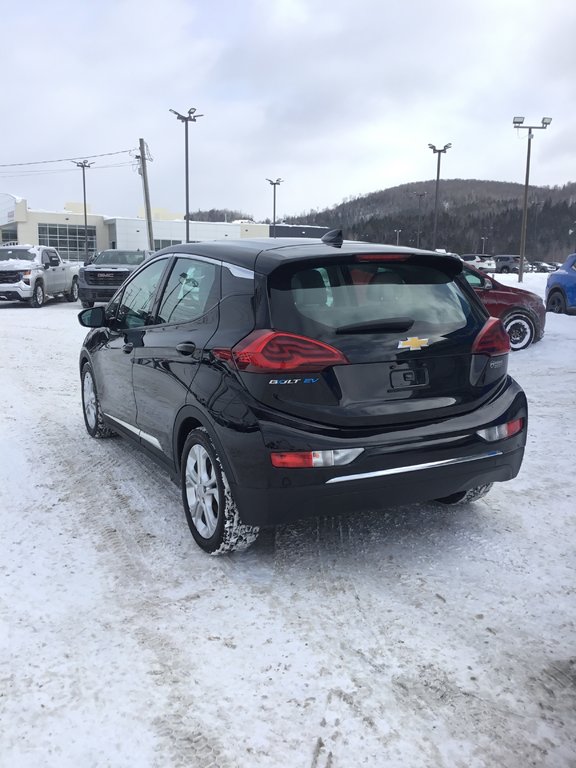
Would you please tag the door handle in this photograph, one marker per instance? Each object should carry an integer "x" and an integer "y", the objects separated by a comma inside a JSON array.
[
  {"x": 127, "y": 348},
  {"x": 186, "y": 348}
]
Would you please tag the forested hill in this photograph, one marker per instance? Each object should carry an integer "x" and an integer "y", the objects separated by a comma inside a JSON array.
[{"x": 472, "y": 213}]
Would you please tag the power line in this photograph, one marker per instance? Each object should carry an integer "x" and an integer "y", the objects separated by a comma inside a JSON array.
[
  {"x": 60, "y": 170},
  {"x": 67, "y": 159}
]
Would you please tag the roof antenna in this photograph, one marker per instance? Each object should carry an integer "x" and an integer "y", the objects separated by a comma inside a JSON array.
[{"x": 333, "y": 237}]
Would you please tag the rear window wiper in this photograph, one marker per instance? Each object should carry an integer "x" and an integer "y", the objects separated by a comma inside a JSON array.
[{"x": 392, "y": 324}]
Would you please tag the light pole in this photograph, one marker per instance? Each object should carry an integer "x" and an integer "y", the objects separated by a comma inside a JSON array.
[
  {"x": 419, "y": 195},
  {"x": 191, "y": 117},
  {"x": 483, "y": 244},
  {"x": 438, "y": 152},
  {"x": 274, "y": 185},
  {"x": 397, "y": 236},
  {"x": 517, "y": 122},
  {"x": 85, "y": 164}
]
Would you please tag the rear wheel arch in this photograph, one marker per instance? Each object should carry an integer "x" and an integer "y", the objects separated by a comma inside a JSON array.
[{"x": 189, "y": 419}]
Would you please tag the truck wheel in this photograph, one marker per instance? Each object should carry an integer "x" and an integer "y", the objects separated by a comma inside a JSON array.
[
  {"x": 87, "y": 304},
  {"x": 73, "y": 294},
  {"x": 465, "y": 497},
  {"x": 211, "y": 511},
  {"x": 91, "y": 405},
  {"x": 38, "y": 296}
]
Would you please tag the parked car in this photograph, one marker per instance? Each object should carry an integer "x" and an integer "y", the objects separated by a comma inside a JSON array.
[
  {"x": 507, "y": 264},
  {"x": 561, "y": 288},
  {"x": 279, "y": 379},
  {"x": 34, "y": 273},
  {"x": 543, "y": 266},
  {"x": 105, "y": 273},
  {"x": 480, "y": 261},
  {"x": 522, "y": 312}
]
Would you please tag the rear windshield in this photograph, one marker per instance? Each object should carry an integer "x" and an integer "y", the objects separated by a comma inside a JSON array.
[
  {"x": 349, "y": 297},
  {"x": 125, "y": 258}
]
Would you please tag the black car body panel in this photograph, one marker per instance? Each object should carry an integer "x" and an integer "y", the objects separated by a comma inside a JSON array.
[{"x": 411, "y": 394}]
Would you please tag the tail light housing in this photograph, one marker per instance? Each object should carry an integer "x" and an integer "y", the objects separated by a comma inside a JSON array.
[
  {"x": 492, "y": 339},
  {"x": 306, "y": 459},
  {"x": 501, "y": 431},
  {"x": 267, "y": 351}
]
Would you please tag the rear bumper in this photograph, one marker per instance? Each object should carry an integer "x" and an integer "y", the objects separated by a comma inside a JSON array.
[{"x": 397, "y": 466}]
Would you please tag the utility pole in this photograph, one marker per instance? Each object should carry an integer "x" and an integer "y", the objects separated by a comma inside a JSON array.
[
  {"x": 419, "y": 195},
  {"x": 84, "y": 164},
  {"x": 143, "y": 171}
]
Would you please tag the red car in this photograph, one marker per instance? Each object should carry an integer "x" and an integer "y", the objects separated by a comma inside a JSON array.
[{"x": 522, "y": 312}]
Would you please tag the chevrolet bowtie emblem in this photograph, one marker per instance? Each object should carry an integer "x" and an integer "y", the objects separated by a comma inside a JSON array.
[{"x": 413, "y": 342}]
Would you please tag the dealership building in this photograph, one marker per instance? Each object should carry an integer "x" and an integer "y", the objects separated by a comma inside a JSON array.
[{"x": 66, "y": 231}]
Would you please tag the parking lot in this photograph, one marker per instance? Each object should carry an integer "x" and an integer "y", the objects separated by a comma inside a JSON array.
[{"x": 416, "y": 636}]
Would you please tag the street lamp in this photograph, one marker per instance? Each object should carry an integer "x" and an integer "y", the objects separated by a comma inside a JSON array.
[
  {"x": 84, "y": 164},
  {"x": 438, "y": 152},
  {"x": 397, "y": 236},
  {"x": 274, "y": 185},
  {"x": 483, "y": 244},
  {"x": 191, "y": 117},
  {"x": 518, "y": 122}
]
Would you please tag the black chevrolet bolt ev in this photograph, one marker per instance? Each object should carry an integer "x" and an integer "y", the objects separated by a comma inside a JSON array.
[{"x": 279, "y": 379}]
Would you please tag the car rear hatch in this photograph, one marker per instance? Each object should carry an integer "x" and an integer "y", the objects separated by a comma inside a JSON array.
[{"x": 369, "y": 339}]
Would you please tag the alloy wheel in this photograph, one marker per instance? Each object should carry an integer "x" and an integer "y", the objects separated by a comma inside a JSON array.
[{"x": 202, "y": 491}]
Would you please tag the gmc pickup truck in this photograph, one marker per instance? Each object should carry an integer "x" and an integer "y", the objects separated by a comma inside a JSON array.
[{"x": 33, "y": 273}]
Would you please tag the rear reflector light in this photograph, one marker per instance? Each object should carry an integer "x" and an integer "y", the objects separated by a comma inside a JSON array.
[
  {"x": 492, "y": 339},
  {"x": 265, "y": 351},
  {"x": 490, "y": 434},
  {"x": 297, "y": 459},
  {"x": 382, "y": 257}
]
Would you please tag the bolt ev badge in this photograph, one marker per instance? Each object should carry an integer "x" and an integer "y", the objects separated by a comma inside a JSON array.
[{"x": 413, "y": 342}]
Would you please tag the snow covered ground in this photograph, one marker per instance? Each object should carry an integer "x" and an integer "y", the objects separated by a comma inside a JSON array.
[{"x": 414, "y": 637}]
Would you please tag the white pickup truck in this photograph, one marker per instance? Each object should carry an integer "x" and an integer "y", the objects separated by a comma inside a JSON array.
[{"x": 33, "y": 273}]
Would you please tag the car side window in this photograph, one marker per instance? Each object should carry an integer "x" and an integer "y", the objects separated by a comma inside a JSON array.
[
  {"x": 474, "y": 280},
  {"x": 134, "y": 305},
  {"x": 192, "y": 289}
]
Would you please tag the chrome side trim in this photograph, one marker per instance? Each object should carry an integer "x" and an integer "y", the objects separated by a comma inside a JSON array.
[
  {"x": 247, "y": 274},
  {"x": 138, "y": 432},
  {"x": 413, "y": 467}
]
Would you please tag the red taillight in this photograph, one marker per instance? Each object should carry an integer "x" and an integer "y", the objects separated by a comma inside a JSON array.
[
  {"x": 492, "y": 339},
  {"x": 265, "y": 351},
  {"x": 295, "y": 459},
  {"x": 382, "y": 257},
  {"x": 513, "y": 427}
]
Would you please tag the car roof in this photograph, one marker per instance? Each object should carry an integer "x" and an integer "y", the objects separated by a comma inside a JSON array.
[{"x": 264, "y": 255}]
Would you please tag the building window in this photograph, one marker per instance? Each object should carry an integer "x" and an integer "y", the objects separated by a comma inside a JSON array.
[
  {"x": 159, "y": 244},
  {"x": 9, "y": 236},
  {"x": 68, "y": 239}
]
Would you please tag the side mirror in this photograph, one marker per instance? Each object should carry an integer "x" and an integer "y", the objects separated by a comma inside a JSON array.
[
  {"x": 487, "y": 284},
  {"x": 95, "y": 317},
  {"x": 46, "y": 264}
]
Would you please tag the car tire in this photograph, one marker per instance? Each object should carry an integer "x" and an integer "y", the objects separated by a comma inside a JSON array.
[
  {"x": 73, "y": 293},
  {"x": 38, "y": 296},
  {"x": 465, "y": 497},
  {"x": 211, "y": 512},
  {"x": 520, "y": 329},
  {"x": 91, "y": 405},
  {"x": 87, "y": 304},
  {"x": 556, "y": 303},
  {"x": 505, "y": 270}
]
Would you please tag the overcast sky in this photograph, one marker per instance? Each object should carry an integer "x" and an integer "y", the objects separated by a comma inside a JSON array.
[{"x": 338, "y": 98}]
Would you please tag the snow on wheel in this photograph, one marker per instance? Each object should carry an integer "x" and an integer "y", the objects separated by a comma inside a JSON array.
[
  {"x": 210, "y": 510},
  {"x": 465, "y": 497},
  {"x": 91, "y": 405},
  {"x": 520, "y": 329},
  {"x": 73, "y": 294},
  {"x": 38, "y": 297}
]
